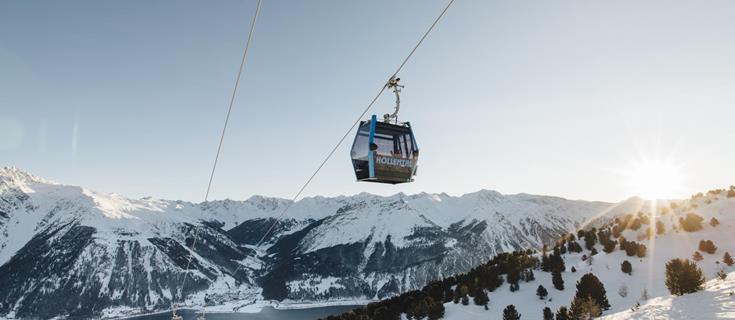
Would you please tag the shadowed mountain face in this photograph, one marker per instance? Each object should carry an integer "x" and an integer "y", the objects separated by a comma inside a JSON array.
[{"x": 70, "y": 251}]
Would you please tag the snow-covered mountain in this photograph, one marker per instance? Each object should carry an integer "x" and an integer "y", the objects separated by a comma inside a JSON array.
[{"x": 67, "y": 250}]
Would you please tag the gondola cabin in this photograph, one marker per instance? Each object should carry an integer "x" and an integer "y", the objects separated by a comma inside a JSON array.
[{"x": 384, "y": 152}]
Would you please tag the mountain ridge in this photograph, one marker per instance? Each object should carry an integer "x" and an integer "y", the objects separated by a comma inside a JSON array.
[
  {"x": 359, "y": 247},
  {"x": 626, "y": 260}
]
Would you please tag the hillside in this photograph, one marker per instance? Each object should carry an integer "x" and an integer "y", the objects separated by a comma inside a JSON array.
[
  {"x": 70, "y": 251},
  {"x": 717, "y": 301},
  {"x": 645, "y": 285}
]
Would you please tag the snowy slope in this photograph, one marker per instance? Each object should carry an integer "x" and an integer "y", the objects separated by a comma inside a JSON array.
[
  {"x": 648, "y": 273},
  {"x": 717, "y": 301}
]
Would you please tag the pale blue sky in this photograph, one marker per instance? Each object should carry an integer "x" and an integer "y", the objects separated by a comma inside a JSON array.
[{"x": 546, "y": 97}]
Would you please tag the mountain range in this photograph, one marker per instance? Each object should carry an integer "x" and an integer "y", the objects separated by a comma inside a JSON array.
[{"x": 67, "y": 251}]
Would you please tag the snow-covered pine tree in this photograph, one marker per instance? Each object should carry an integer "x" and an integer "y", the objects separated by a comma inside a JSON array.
[
  {"x": 510, "y": 313},
  {"x": 541, "y": 292},
  {"x": 590, "y": 286},
  {"x": 696, "y": 256},
  {"x": 683, "y": 276},
  {"x": 626, "y": 267},
  {"x": 557, "y": 280},
  {"x": 727, "y": 259},
  {"x": 548, "y": 314}
]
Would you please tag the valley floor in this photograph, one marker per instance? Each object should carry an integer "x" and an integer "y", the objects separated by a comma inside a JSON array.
[{"x": 238, "y": 307}]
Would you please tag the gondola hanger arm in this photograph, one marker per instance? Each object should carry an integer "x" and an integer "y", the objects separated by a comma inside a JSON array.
[{"x": 393, "y": 83}]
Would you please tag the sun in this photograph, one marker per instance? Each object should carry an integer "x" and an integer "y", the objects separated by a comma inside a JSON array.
[{"x": 656, "y": 179}]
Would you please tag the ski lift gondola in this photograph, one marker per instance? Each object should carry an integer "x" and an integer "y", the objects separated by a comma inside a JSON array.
[{"x": 385, "y": 151}]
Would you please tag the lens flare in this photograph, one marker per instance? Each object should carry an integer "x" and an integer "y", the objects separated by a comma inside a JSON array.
[{"x": 656, "y": 179}]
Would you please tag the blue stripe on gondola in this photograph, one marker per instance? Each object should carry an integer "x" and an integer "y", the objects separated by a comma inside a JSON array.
[{"x": 371, "y": 138}]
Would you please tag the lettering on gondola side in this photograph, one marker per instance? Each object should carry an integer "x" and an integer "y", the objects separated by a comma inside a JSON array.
[{"x": 393, "y": 161}]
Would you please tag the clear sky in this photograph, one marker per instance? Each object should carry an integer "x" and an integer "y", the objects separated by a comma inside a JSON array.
[{"x": 548, "y": 97}]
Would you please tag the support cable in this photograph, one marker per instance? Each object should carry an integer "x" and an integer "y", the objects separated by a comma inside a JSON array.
[{"x": 222, "y": 136}]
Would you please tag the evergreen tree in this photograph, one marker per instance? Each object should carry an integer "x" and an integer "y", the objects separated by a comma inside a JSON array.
[
  {"x": 645, "y": 219},
  {"x": 574, "y": 246},
  {"x": 630, "y": 247},
  {"x": 448, "y": 295},
  {"x": 626, "y": 267},
  {"x": 660, "y": 228},
  {"x": 707, "y": 246},
  {"x": 557, "y": 280},
  {"x": 383, "y": 313},
  {"x": 465, "y": 300},
  {"x": 513, "y": 276},
  {"x": 545, "y": 263},
  {"x": 722, "y": 275},
  {"x": 514, "y": 287},
  {"x": 584, "y": 308},
  {"x": 635, "y": 224},
  {"x": 697, "y": 256},
  {"x": 649, "y": 233},
  {"x": 481, "y": 298},
  {"x": 457, "y": 294},
  {"x": 727, "y": 259},
  {"x": 580, "y": 234},
  {"x": 541, "y": 292},
  {"x": 603, "y": 236},
  {"x": 641, "y": 250},
  {"x": 436, "y": 311},
  {"x": 609, "y": 246},
  {"x": 574, "y": 269},
  {"x": 557, "y": 263},
  {"x": 589, "y": 240},
  {"x": 617, "y": 230},
  {"x": 683, "y": 276},
  {"x": 563, "y": 314},
  {"x": 548, "y": 314},
  {"x": 510, "y": 313},
  {"x": 435, "y": 291},
  {"x": 692, "y": 222},
  {"x": 421, "y": 309},
  {"x": 636, "y": 306},
  {"x": 622, "y": 242},
  {"x": 590, "y": 286}
]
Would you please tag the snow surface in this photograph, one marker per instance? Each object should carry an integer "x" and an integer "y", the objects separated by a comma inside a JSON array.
[{"x": 717, "y": 301}]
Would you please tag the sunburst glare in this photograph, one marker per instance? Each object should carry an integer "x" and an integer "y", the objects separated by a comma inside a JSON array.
[{"x": 656, "y": 178}]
